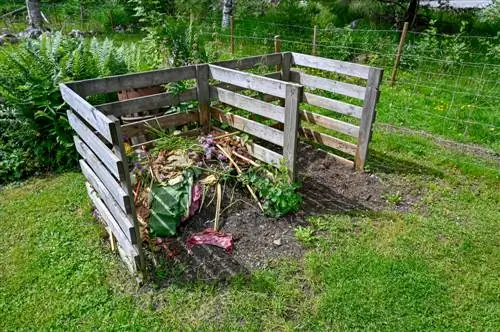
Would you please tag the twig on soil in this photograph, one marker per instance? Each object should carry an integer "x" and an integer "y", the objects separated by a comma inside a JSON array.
[
  {"x": 217, "y": 209},
  {"x": 226, "y": 135},
  {"x": 248, "y": 160},
  {"x": 239, "y": 172}
]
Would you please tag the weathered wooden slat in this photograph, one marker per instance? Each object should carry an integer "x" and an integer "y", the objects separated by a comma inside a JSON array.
[
  {"x": 89, "y": 113},
  {"x": 340, "y": 126},
  {"x": 203, "y": 88},
  {"x": 263, "y": 154},
  {"x": 146, "y": 103},
  {"x": 110, "y": 221},
  {"x": 163, "y": 122},
  {"x": 333, "y": 105},
  {"x": 110, "y": 183},
  {"x": 346, "y": 89},
  {"x": 292, "y": 101},
  {"x": 328, "y": 140},
  {"x": 108, "y": 158},
  {"x": 247, "y": 63},
  {"x": 368, "y": 117},
  {"x": 249, "y": 81},
  {"x": 132, "y": 81},
  {"x": 341, "y": 67},
  {"x": 253, "y": 105},
  {"x": 251, "y": 127},
  {"x": 118, "y": 198}
]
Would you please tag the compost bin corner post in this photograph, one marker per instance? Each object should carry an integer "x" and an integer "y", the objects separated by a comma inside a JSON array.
[
  {"x": 203, "y": 90},
  {"x": 293, "y": 97}
]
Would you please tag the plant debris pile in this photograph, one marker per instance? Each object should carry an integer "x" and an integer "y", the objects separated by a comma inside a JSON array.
[{"x": 181, "y": 175}]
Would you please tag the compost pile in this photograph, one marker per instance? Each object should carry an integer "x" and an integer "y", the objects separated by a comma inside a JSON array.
[{"x": 180, "y": 176}]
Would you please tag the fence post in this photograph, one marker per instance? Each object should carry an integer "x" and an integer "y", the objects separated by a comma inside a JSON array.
[
  {"x": 315, "y": 36},
  {"x": 277, "y": 49},
  {"x": 292, "y": 102},
  {"x": 399, "y": 53},
  {"x": 231, "y": 28},
  {"x": 367, "y": 117},
  {"x": 203, "y": 96}
]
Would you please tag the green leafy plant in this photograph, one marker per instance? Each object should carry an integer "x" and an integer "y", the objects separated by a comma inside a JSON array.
[
  {"x": 305, "y": 235},
  {"x": 393, "y": 198}
]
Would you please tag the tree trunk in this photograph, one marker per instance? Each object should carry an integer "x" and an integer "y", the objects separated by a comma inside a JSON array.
[
  {"x": 227, "y": 11},
  {"x": 34, "y": 14},
  {"x": 411, "y": 13}
]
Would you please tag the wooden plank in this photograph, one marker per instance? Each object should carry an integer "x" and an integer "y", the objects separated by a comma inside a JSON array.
[
  {"x": 341, "y": 67},
  {"x": 160, "y": 122},
  {"x": 263, "y": 154},
  {"x": 286, "y": 65},
  {"x": 109, "y": 159},
  {"x": 146, "y": 103},
  {"x": 333, "y": 105},
  {"x": 346, "y": 89},
  {"x": 110, "y": 221},
  {"x": 328, "y": 140},
  {"x": 132, "y": 81},
  {"x": 250, "y": 62},
  {"x": 340, "y": 126},
  {"x": 249, "y": 81},
  {"x": 368, "y": 117},
  {"x": 251, "y": 127},
  {"x": 89, "y": 113},
  {"x": 253, "y": 105},
  {"x": 292, "y": 101},
  {"x": 203, "y": 87},
  {"x": 113, "y": 195}
]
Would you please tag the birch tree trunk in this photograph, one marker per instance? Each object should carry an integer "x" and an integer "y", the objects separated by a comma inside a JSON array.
[
  {"x": 227, "y": 11},
  {"x": 34, "y": 14}
]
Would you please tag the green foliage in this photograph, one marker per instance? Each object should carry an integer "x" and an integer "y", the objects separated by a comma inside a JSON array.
[
  {"x": 273, "y": 185},
  {"x": 305, "y": 235}
]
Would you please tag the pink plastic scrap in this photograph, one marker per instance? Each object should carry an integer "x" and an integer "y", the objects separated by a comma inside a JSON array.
[{"x": 214, "y": 238}]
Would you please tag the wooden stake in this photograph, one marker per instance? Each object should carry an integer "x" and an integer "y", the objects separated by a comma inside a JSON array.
[
  {"x": 231, "y": 28},
  {"x": 399, "y": 53},
  {"x": 315, "y": 35},
  {"x": 277, "y": 49}
]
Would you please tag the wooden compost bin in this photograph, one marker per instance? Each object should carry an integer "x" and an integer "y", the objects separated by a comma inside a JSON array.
[{"x": 99, "y": 131}]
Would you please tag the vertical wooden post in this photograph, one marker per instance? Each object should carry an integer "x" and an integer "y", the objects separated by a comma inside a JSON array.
[
  {"x": 277, "y": 49},
  {"x": 292, "y": 102},
  {"x": 399, "y": 53},
  {"x": 286, "y": 63},
  {"x": 203, "y": 96},
  {"x": 118, "y": 147},
  {"x": 367, "y": 117},
  {"x": 231, "y": 28},
  {"x": 315, "y": 36}
]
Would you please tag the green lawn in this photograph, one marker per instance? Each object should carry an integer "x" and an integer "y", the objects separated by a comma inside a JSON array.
[{"x": 433, "y": 267}]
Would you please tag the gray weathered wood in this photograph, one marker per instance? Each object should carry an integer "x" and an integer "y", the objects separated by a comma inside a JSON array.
[
  {"x": 132, "y": 81},
  {"x": 146, "y": 103},
  {"x": 341, "y": 67},
  {"x": 253, "y": 105},
  {"x": 110, "y": 221},
  {"x": 328, "y": 140},
  {"x": 111, "y": 160},
  {"x": 337, "y": 125},
  {"x": 251, "y": 127},
  {"x": 292, "y": 101},
  {"x": 368, "y": 117},
  {"x": 118, "y": 199},
  {"x": 264, "y": 154},
  {"x": 160, "y": 122},
  {"x": 286, "y": 65},
  {"x": 202, "y": 73},
  {"x": 250, "y": 62},
  {"x": 346, "y": 89},
  {"x": 88, "y": 112},
  {"x": 333, "y": 105},
  {"x": 249, "y": 81}
]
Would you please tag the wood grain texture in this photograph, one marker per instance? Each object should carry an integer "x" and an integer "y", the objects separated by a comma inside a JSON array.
[
  {"x": 286, "y": 66},
  {"x": 264, "y": 154},
  {"x": 251, "y": 127},
  {"x": 333, "y": 105},
  {"x": 341, "y": 67},
  {"x": 324, "y": 121},
  {"x": 161, "y": 122},
  {"x": 328, "y": 140},
  {"x": 146, "y": 103},
  {"x": 132, "y": 81},
  {"x": 202, "y": 84},
  {"x": 253, "y": 105},
  {"x": 292, "y": 101},
  {"x": 250, "y": 62},
  {"x": 315, "y": 82},
  {"x": 89, "y": 113},
  {"x": 103, "y": 152}
]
